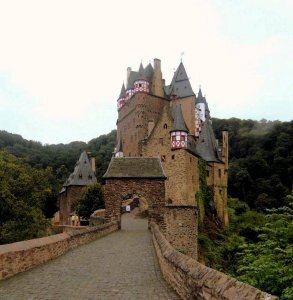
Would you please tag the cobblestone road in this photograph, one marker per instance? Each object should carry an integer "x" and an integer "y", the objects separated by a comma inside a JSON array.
[{"x": 120, "y": 266}]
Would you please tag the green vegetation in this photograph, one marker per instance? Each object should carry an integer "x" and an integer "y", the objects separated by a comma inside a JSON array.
[
  {"x": 91, "y": 199},
  {"x": 26, "y": 198},
  {"x": 31, "y": 176},
  {"x": 255, "y": 248}
]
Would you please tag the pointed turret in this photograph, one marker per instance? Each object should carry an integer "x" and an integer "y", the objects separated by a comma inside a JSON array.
[
  {"x": 200, "y": 112},
  {"x": 122, "y": 97},
  {"x": 83, "y": 173},
  {"x": 141, "y": 83},
  {"x": 123, "y": 91},
  {"x": 180, "y": 85},
  {"x": 179, "y": 130}
]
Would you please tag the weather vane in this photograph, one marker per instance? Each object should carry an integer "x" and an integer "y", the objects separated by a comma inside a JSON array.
[{"x": 181, "y": 55}]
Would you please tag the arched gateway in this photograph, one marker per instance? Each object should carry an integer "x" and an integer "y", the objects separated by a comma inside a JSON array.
[{"x": 139, "y": 175}]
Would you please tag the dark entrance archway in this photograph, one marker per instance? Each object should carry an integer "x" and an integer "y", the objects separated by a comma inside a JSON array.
[{"x": 136, "y": 175}]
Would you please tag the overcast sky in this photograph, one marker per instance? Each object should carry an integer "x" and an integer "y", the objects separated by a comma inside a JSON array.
[{"x": 62, "y": 62}]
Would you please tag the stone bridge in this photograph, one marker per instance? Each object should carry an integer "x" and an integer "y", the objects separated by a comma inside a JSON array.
[{"x": 121, "y": 265}]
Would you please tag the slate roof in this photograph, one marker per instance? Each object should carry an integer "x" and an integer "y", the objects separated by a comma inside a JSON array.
[
  {"x": 180, "y": 84},
  {"x": 132, "y": 77},
  {"x": 82, "y": 174},
  {"x": 123, "y": 92},
  {"x": 179, "y": 123},
  {"x": 206, "y": 145},
  {"x": 135, "y": 167},
  {"x": 148, "y": 72}
]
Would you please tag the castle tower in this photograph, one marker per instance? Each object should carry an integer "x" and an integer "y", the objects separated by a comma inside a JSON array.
[
  {"x": 157, "y": 83},
  {"x": 122, "y": 97},
  {"x": 179, "y": 131},
  {"x": 141, "y": 84}
]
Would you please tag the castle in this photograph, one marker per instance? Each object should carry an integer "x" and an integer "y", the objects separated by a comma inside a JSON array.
[{"x": 173, "y": 123}]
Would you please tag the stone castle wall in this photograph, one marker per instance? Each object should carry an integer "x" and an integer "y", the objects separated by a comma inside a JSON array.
[
  {"x": 179, "y": 166},
  {"x": 22, "y": 256},
  {"x": 133, "y": 118},
  {"x": 151, "y": 189},
  {"x": 67, "y": 203},
  {"x": 181, "y": 228},
  {"x": 192, "y": 280}
]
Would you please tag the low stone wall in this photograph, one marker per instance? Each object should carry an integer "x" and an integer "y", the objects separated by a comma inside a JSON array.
[
  {"x": 22, "y": 256},
  {"x": 192, "y": 280}
]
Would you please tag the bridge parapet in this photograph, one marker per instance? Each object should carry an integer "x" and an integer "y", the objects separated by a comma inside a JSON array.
[
  {"x": 22, "y": 256},
  {"x": 193, "y": 280}
]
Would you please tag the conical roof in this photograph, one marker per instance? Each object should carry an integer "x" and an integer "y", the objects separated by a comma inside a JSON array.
[
  {"x": 132, "y": 77},
  {"x": 179, "y": 123},
  {"x": 141, "y": 73},
  {"x": 123, "y": 92},
  {"x": 180, "y": 85},
  {"x": 83, "y": 173},
  {"x": 206, "y": 145},
  {"x": 148, "y": 72}
]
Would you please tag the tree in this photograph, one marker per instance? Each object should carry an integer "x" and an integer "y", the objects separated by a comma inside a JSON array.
[
  {"x": 267, "y": 264},
  {"x": 24, "y": 194},
  {"x": 90, "y": 200}
]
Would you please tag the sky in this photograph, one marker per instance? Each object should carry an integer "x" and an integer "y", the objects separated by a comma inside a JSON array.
[{"x": 63, "y": 62}]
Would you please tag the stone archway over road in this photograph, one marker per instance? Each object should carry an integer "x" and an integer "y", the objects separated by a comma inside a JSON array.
[{"x": 140, "y": 175}]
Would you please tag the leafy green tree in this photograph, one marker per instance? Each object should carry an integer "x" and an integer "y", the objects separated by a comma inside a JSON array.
[
  {"x": 267, "y": 264},
  {"x": 24, "y": 192},
  {"x": 90, "y": 200}
]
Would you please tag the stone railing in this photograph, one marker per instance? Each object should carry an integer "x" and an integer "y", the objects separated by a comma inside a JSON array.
[
  {"x": 193, "y": 280},
  {"x": 22, "y": 256}
]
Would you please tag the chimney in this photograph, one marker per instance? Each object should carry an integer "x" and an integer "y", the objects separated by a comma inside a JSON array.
[
  {"x": 157, "y": 64},
  {"x": 92, "y": 162},
  {"x": 157, "y": 82}
]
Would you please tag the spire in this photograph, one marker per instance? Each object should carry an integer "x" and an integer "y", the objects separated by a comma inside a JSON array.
[
  {"x": 200, "y": 98},
  {"x": 180, "y": 84},
  {"x": 141, "y": 69},
  {"x": 123, "y": 91},
  {"x": 179, "y": 123}
]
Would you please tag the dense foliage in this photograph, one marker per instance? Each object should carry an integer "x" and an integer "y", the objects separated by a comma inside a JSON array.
[
  {"x": 31, "y": 176},
  {"x": 261, "y": 160},
  {"x": 256, "y": 247},
  {"x": 91, "y": 199},
  {"x": 25, "y": 194}
]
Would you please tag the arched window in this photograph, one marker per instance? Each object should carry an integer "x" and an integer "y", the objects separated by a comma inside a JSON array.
[{"x": 165, "y": 126}]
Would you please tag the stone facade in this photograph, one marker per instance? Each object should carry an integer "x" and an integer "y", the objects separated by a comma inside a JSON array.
[
  {"x": 151, "y": 189},
  {"x": 145, "y": 121},
  {"x": 67, "y": 203},
  {"x": 181, "y": 228},
  {"x": 192, "y": 280}
]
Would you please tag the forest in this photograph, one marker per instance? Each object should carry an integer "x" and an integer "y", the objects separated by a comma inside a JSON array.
[{"x": 257, "y": 245}]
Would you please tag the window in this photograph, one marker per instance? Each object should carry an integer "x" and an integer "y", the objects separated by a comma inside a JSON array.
[
  {"x": 165, "y": 126},
  {"x": 208, "y": 173},
  {"x": 173, "y": 156},
  {"x": 139, "y": 85},
  {"x": 220, "y": 173}
]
